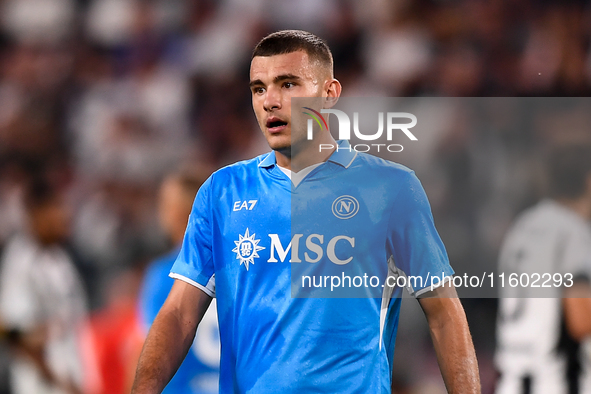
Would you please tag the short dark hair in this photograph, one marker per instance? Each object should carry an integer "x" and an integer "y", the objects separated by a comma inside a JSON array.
[
  {"x": 569, "y": 168},
  {"x": 288, "y": 41},
  {"x": 190, "y": 180}
]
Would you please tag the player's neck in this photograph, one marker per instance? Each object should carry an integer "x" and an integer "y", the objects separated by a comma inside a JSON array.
[
  {"x": 581, "y": 206},
  {"x": 305, "y": 155}
]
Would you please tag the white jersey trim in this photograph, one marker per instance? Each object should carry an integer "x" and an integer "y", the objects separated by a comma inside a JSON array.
[
  {"x": 209, "y": 289},
  {"x": 433, "y": 287},
  {"x": 395, "y": 272},
  {"x": 351, "y": 162}
]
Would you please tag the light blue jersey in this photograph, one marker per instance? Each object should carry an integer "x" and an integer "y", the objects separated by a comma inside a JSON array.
[
  {"x": 255, "y": 242},
  {"x": 199, "y": 372}
]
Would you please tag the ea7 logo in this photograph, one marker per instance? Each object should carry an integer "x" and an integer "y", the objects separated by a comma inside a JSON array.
[
  {"x": 345, "y": 207},
  {"x": 248, "y": 205},
  {"x": 345, "y": 124}
]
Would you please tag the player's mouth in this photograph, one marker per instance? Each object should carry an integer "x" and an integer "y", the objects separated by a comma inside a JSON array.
[{"x": 275, "y": 125}]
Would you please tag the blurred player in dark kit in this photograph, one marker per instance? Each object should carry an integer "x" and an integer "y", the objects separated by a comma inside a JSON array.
[
  {"x": 42, "y": 299},
  {"x": 543, "y": 345}
]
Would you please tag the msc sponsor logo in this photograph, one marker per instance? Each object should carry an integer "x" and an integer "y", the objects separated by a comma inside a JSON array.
[
  {"x": 247, "y": 248},
  {"x": 313, "y": 250},
  {"x": 345, "y": 207}
]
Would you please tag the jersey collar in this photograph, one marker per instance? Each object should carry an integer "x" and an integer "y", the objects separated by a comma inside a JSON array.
[
  {"x": 343, "y": 156},
  {"x": 269, "y": 160}
]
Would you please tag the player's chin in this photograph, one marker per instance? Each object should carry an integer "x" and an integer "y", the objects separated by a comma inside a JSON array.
[{"x": 277, "y": 142}]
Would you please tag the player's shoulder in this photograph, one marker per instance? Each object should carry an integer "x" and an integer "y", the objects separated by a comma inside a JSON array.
[
  {"x": 162, "y": 263},
  {"x": 551, "y": 214},
  {"x": 240, "y": 169},
  {"x": 156, "y": 275},
  {"x": 380, "y": 167},
  {"x": 18, "y": 250}
]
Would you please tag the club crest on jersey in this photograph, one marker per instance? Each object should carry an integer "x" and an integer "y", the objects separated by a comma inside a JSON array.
[
  {"x": 247, "y": 248},
  {"x": 345, "y": 207}
]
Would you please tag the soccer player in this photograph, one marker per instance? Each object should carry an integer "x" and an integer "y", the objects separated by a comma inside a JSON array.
[
  {"x": 42, "y": 299},
  {"x": 199, "y": 372},
  {"x": 539, "y": 335},
  {"x": 246, "y": 219}
]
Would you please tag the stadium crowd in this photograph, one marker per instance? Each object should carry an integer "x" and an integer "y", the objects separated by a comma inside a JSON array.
[{"x": 104, "y": 98}]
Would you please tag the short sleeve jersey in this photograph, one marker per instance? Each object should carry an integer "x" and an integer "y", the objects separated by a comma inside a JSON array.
[{"x": 251, "y": 231}]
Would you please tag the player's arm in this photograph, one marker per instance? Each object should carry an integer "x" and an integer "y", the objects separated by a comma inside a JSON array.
[
  {"x": 170, "y": 337},
  {"x": 452, "y": 340},
  {"x": 577, "y": 309}
]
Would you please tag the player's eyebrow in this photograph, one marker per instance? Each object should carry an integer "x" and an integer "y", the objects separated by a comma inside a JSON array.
[
  {"x": 256, "y": 82},
  {"x": 283, "y": 77},
  {"x": 277, "y": 79}
]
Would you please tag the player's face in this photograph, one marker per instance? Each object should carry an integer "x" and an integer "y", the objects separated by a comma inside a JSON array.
[
  {"x": 274, "y": 80},
  {"x": 51, "y": 222},
  {"x": 174, "y": 209}
]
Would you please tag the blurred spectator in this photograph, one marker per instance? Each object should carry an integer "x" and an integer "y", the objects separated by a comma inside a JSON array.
[
  {"x": 199, "y": 373},
  {"x": 38, "y": 21},
  {"x": 111, "y": 95},
  {"x": 110, "y": 22},
  {"x": 399, "y": 50},
  {"x": 42, "y": 301}
]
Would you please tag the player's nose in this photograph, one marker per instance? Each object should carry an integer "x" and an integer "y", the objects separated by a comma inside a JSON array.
[{"x": 272, "y": 99}]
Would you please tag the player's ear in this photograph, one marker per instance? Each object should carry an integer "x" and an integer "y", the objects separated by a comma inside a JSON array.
[{"x": 333, "y": 92}]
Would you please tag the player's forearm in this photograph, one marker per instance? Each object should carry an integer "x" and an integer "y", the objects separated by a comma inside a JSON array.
[
  {"x": 455, "y": 353},
  {"x": 165, "y": 348}
]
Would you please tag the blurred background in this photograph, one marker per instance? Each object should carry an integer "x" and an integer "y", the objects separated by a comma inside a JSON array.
[{"x": 103, "y": 98}]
